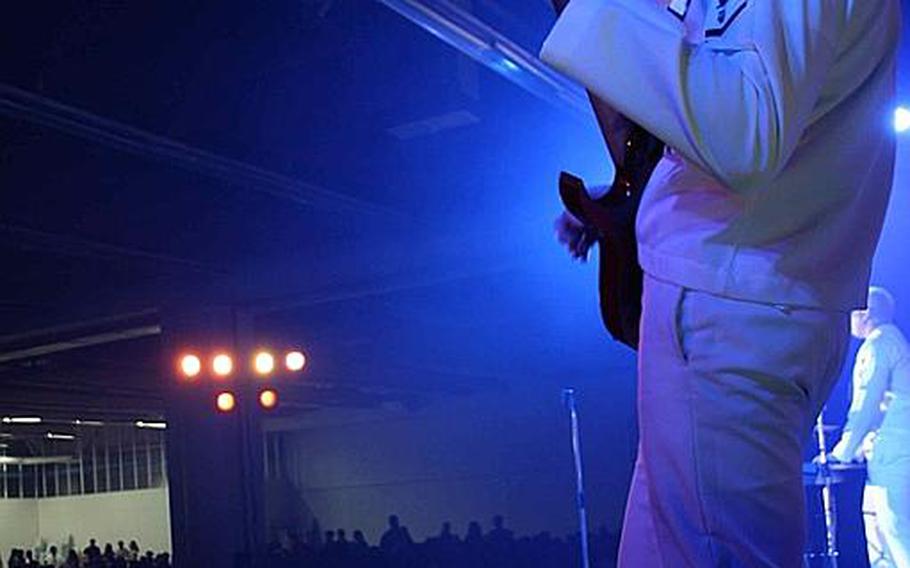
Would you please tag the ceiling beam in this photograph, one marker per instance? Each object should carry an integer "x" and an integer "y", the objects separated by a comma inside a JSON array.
[
  {"x": 20, "y": 104},
  {"x": 119, "y": 320},
  {"x": 80, "y": 247},
  {"x": 5, "y": 460},
  {"x": 81, "y": 342},
  {"x": 463, "y": 31}
]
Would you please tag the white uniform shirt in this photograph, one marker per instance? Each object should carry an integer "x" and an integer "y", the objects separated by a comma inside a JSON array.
[
  {"x": 881, "y": 379},
  {"x": 778, "y": 115}
]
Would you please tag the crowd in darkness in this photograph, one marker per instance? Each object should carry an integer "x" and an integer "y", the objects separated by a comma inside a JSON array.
[
  {"x": 92, "y": 556},
  {"x": 496, "y": 548}
]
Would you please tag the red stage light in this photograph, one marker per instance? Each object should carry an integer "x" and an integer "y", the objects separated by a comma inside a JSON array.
[
  {"x": 268, "y": 399},
  {"x": 264, "y": 363},
  {"x": 295, "y": 361},
  {"x": 226, "y": 401},
  {"x": 190, "y": 366},
  {"x": 222, "y": 364}
]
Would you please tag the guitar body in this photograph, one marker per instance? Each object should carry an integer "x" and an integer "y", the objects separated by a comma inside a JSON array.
[{"x": 610, "y": 221}]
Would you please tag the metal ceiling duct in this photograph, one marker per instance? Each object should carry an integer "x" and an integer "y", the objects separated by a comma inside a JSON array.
[{"x": 477, "y": 40}]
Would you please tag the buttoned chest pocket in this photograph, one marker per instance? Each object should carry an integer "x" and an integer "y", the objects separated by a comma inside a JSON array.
[{"x": 729, "y": 23}]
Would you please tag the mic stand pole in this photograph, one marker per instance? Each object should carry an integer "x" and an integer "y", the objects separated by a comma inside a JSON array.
[
  {"x": 568, "y": 395},
  {"x": 830, "y": 506}
]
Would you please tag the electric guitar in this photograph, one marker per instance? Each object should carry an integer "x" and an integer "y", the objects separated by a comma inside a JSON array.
[{"x": 609, "y": 220}]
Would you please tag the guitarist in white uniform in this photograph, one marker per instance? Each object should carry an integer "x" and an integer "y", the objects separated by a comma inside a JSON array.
[{"x": 755, "y": 233}]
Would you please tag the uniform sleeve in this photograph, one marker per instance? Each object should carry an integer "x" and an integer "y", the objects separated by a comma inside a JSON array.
[
  {"x": 870, "y": 383},
  {"x": 735, "y": 104}
]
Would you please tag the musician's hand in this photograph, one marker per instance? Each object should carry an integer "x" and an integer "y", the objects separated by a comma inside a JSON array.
[
  {"x": 831, "y": 460},
  {"x": 571, "y": 233},
  {"x": 867, "y": 448},
  {"x": 839, "y": 453}
]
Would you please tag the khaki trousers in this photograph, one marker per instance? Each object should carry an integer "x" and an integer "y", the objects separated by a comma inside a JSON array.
[{"x": 728, "y": 392}]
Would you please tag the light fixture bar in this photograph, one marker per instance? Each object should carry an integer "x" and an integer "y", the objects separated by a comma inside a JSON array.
[
  {"x": 22, "y": 420},
  {"x": 485, "y": 45},
  {"x": 58, "y": 436}
]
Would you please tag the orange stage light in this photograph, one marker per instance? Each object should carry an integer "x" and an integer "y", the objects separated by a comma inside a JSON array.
[
  {"x": 226, "y": 401},
  {"x": 295, "y": 361},
  {"x": 268, "y": 399},
  {"x": 264, "y": 363},
  {"x": 222, "y": 364},
  {"x": 190, "y": 366}
]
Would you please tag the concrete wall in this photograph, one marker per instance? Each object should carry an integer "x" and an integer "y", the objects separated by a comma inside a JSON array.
[
  {"x": 108, "y": 517},
  {"x": 18, "y": 524},
  {"x": 457, "y": 460}
]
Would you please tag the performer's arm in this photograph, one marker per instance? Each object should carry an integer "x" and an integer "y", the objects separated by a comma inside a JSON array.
[
  {"x": 614, "y": 127},
  {"x": 736, "y": 104},
  {"x": 869, "y": 388}
]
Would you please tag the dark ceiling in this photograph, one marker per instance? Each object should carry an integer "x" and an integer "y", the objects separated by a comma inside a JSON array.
[
  {"x": 325, "y": 164},
  {"x": 375, "y": 201}
]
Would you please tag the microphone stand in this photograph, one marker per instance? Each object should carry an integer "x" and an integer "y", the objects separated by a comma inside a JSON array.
[
  {"x": 568, "y": 395},
  {"x": 828, "y": 502}
]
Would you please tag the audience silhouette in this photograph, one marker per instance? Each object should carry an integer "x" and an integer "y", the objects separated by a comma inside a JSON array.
[
  {"x": 498, "y": 548},
  {"x": 91, "y": 557}
]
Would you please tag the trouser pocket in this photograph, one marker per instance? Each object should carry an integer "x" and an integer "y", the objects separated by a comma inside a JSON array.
[{"x": 680, "y": 323}]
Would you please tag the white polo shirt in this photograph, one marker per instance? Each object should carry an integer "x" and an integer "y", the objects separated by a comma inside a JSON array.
[
  {"x": 777, "y": 112},
  {"x": 881, "y": 392}
]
